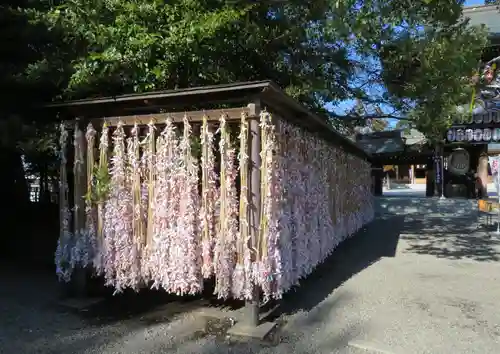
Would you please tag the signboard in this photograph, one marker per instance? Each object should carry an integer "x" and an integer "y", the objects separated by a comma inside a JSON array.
[
  {"x": 439, "y": 172},
  {"x": 484, "y": 117}
]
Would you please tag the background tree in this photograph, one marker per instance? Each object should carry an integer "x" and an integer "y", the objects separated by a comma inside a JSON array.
[
  {"x": 379, "y": 125},
  {"x": 396, "y": 59},
  {"x": 403, "y": 125},
  {"x": 409, "y": 57}
]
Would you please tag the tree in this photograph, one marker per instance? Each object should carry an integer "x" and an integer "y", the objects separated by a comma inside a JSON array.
[
  {"x": 412, "y": 56},
  {"x": 23, "y": 134},
  {"x": 24, "y": 137},
  {"x": 379, "y": 125}
]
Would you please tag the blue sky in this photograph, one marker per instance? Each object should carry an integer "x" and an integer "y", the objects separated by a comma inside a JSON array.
[
  {"x": 341, "y": 107},
  {"x": 474, "y": 2}
]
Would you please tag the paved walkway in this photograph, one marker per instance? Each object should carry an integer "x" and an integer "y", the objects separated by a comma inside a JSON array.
[
  {"x": 418, "y": 190},
  {"x": 421, "y": 279}
]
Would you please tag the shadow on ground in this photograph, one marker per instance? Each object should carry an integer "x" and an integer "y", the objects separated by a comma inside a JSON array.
[
  {"x": 33, "y": 319},
  {"x": 448, "y": 229},
  {"x": 451, "y": 238},
  {"x": 378, "y": 239},
  {"x": 423, "y": 206},
  {"x": 76, "y": 331}
]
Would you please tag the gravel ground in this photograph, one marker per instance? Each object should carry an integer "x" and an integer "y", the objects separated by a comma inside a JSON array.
[{"x": 412, "y": 282}]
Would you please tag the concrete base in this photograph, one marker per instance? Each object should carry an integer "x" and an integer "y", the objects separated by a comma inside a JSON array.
[{"x": 261, "y": 331}]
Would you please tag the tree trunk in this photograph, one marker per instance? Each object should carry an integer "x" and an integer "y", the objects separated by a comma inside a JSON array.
[{"x": 14, "y": 194}]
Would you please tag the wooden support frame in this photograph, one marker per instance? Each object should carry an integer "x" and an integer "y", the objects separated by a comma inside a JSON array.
[
  {"x": 79, "y": 281},
  {"x": 143, "y": 109},
  {"x": 252, "y": 307},
  {"x": 251, "y": 326},
  {"x": 232, "y": 114}
]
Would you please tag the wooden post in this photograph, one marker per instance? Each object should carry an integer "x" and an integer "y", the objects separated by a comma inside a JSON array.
[
  {"x": 251, "y": 326},
  {"x": 252, "y": 307},
  {"x": 429, "y": 178}
]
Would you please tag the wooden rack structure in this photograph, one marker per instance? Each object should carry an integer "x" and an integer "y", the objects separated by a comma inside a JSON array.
[{"x": 212, "y": 101}]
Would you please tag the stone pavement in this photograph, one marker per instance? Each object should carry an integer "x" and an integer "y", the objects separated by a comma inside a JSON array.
[
  {"x": 438, "y": 291},
  {"x": 422, "y": 278}
]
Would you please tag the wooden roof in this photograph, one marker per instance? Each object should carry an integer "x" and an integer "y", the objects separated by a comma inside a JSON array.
[{"x": 222, "y": 97}]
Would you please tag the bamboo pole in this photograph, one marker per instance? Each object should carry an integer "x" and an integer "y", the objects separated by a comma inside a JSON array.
[
  {"x": 79, "y": 208},
  {"x": 244, "y": 189},
  {"x": 265, "y": 137},
  {"x": 63, "y": 251},
  {"x": 231, "y": 114},
  {"x": 134, "y": 161},
  {"x": 151, "y": 183},
  {"x": 102, "y": 182}
]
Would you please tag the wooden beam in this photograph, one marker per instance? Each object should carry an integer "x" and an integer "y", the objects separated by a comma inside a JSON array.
[
  {"x": 240, "y": 88},
  {"x": 159, "y": 118},
  {"x": 254, "y": 204}
]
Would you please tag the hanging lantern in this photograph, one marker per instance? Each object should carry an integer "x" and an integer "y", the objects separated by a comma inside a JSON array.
[
  {"x": 496, "y": 134},
  {"x": 487, "y": 134},
  {"x": 478, "y": 134},
  {"x": 451, "y": 135},
  {"x": 478, "y": 118},
  {"x": 495, "y": 116},
  {"x": 469, "y": 134}
]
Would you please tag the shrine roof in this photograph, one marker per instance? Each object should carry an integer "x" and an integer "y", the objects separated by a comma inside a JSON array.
[{"x": 391, "y": 142}]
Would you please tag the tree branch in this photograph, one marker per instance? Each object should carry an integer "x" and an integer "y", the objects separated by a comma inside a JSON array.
[{"x": 369, "y": 116}]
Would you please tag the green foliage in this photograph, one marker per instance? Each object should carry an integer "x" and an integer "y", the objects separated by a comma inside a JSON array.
[
  {"x": 403, "y": 125},
  {"x": 442, "y": 64},
  {"x": 102, "y": 181},
  {"x": 379, "y": 125},
  {"x": 318, "y": 52}
]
